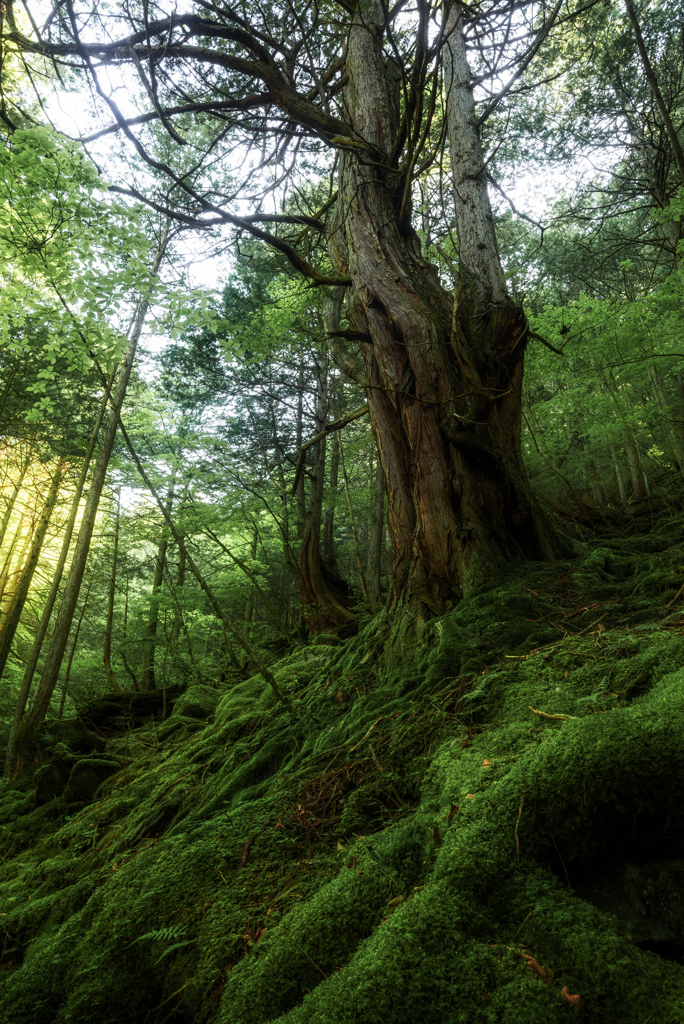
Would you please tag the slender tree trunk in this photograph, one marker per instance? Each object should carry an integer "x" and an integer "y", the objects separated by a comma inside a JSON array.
[
  {"x": 179, "y": 622},
  {"x": 59, "y": 568},
  {"x": 672, "y": 429},
  {"x": 4, "y": 523},
  {"x": 107, "y": 653},
  {"x": 653, "y": 168},
  {"x": 16, "y": 605},
  {"x": 11, "y": 571},
  {"x": 124, "y": 657},
  {"x": 376, "y": 535},
  {"x": 677, "y": 150},
  {"x": 596, "y": 484},
  {"x": 328, "y": 553},
  {"x": 444, "y": 374},
  {"x": 281, "y": 620},
  {"x": 148, "y": 676},
  {"x": 352, "y": 521},
  {"x": 324, "y": 596},
  {"x": 180, "y": 584},
  {"x": 50, "y": 673},
  {"x": 301, "y": 491},
  {"x": 216, "y": 607},
  {"x": 638, "y": 480},
  {"x": 67, "y": 675},
  {"x": 251, "y": 590},
  {"x": 622, "y": 487},
  {"x": 288, "y": 555}
]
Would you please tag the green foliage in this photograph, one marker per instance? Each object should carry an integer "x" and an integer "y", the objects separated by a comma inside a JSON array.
[
  {"x": 73, "y": 263},
  {"x": 616, "y": 387}
]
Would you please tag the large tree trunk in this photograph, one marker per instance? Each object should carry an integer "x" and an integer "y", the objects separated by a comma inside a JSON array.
[{"x": 444, "y": 373}]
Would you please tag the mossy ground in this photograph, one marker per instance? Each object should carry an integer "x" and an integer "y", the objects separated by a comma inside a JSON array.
[{"x": 409, "y": 847}]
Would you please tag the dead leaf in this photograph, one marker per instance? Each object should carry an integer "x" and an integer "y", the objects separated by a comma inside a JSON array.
[
  {"x": 451, "y": 813},
  {"x": 485, "y": 762},
  {"x": 244, "y": 853},
  {"x": 575, "y": 1000},
  {"x": 537, "y": 968}
]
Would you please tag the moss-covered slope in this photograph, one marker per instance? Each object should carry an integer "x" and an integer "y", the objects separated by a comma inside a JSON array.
[{"x": 493, "y": 831}]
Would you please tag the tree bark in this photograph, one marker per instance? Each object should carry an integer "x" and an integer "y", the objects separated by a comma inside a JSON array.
[
  {"x": 301, "y": 492},
  {"x": 250, "y": 600},
  {"x": 443, "y": 374},
  {"x": 325, "y": 597},
  {"x": 12, "y": 500},
  {"x": 352, "y": 523},
  {"x": 622, "y": 488},
  {"x": 67, "y": 674},
  {"x": 638, "y": 479},
  {"x": 180, "y": 584},
  {"x": 148, "y": 676},
  {"x": 18, "y": 600},
  {"x": 655, "y": 88},
  {"x": 375, "y": 544},
  {"x": 328, "y": 553},
  {"x": 10, "y": 571},
  {"x": 107, "y": 652}
]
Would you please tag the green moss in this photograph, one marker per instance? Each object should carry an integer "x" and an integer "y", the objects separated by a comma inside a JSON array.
[{"x": 401, "y": 850}]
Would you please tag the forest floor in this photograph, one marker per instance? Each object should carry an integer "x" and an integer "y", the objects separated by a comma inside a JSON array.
[{"x": 490, "y": 832}]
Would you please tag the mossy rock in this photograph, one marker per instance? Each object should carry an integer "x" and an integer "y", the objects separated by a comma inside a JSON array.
[
  {"x": 72, "y": 733},
  {"x": 86, "y": 777},
  {"x": 326, "y": 640},
  {"x": 197, "y": 702}
]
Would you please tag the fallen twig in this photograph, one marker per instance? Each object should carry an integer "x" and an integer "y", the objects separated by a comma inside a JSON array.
[{"x": 557, "y": 718}]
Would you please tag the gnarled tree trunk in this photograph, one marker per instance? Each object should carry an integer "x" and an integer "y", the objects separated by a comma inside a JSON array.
[{"x": 443, "y": 372}]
